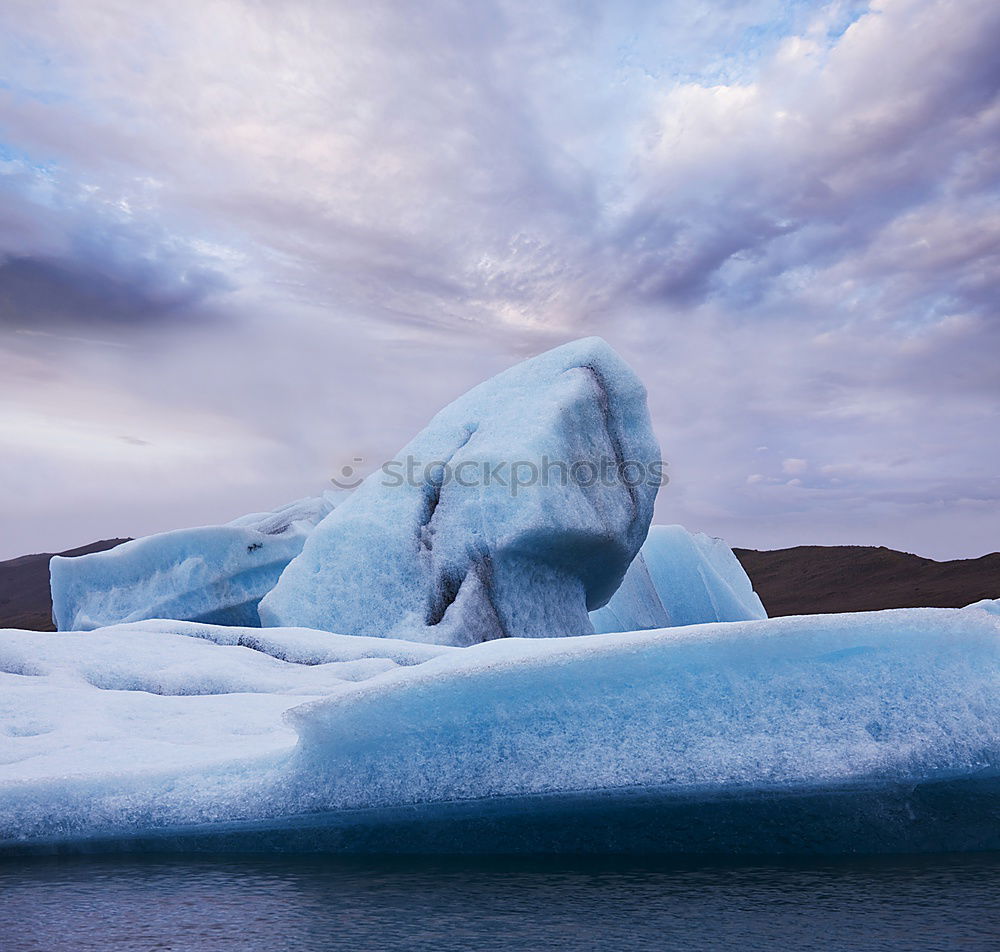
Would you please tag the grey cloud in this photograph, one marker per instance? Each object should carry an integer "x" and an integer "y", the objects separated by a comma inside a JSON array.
[{"x": 39, "y": 293}]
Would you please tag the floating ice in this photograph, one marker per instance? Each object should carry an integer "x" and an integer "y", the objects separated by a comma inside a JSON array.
[
  {"x": 862, "y": 732},
  {"x": 212, "y": 573},
  {"x": 829, "y": 733},
  {"x": 680, "y": 578},
  {"x": 532, "y": 494}
]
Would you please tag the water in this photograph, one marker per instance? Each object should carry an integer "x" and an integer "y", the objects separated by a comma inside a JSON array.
[{"x": 222, "y": 903}]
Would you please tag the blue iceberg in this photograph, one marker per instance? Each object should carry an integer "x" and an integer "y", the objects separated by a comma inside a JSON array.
[
  {"x": 839, "y": 733},
  {"x": 428, "y": 678},
  {"x": 215, "y": 574},
  {"x": 680, "y": 578},
  {"x": 530, "y": 497}
]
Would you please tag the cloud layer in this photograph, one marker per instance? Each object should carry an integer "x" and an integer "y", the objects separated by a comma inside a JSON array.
[{"x": 243, "y": 242}]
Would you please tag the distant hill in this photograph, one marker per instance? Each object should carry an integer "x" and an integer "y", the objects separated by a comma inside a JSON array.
[
  {"x": 805, "y": 580},
  {"x": 25, "y": 600},
  {"x": 810, "y": 579}
]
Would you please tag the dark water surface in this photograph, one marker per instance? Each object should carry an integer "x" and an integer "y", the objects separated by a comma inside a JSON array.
[{"x": 208, "y": 903}]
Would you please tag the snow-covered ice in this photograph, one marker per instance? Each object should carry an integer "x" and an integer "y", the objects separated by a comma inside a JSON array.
[
  {"x": 680, "y": 578},
  {"x": 167, "y": 695},
  {"x": 214, "y": 574},
  {"x": 147, "y": 728},
  {"x": 499, "y": 549}
]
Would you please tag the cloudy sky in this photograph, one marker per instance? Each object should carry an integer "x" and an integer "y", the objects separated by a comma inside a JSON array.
[{"x": 244, "y": 243}]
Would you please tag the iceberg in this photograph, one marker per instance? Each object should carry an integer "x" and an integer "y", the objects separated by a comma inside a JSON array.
[
  {"x": 213, "y": 574},
  {"x": 871, "y": 732},
  {"x": 515, "y": 512},
  {"x": 680, "y": 578},
  {"x": 486, "y": 649}
]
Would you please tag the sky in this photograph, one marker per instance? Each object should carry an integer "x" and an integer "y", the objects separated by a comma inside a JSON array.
[{"x": 246, "y": 242}]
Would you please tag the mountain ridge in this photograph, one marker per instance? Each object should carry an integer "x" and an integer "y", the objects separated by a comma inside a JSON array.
[{"x": 814, "y": 579}]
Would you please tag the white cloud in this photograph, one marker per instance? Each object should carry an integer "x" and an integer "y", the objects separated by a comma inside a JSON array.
[{"x": 786, "y": 217}]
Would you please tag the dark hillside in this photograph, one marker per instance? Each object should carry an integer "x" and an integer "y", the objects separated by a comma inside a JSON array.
[{"x": 809, "y": 579}]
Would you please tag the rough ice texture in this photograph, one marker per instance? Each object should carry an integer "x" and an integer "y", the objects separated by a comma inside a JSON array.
[
  {"x": 475, "y": 558},
  {"x": 680, "y": 578},
  {"x": 303, "y": 513},
  {"x": 167, "y": 696},
  {"x": 213, "y": 573},
  {"x": 149, "y": 727}
]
